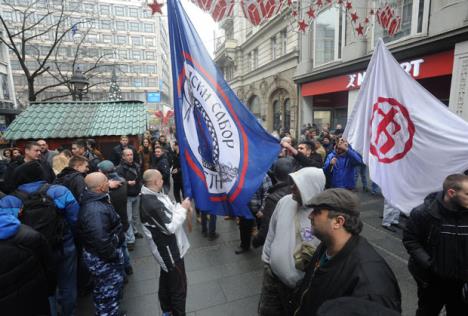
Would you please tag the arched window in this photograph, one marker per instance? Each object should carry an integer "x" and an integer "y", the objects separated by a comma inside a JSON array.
[
  {"x": 276, "y": 115},
  {"x": 287, "y": 115},
  {"x": 254, "y": 106}
]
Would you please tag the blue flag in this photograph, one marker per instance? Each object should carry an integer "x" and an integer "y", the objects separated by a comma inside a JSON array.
[{"x": 224, "y": 151}]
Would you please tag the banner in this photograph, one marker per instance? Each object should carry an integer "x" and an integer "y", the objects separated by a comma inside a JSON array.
[
  {"x": 409, "y": 139},
  {"x": 224, "y": 151}
]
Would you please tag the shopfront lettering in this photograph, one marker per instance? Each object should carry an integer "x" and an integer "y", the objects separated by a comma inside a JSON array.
[{"x": 413, "y": 68}]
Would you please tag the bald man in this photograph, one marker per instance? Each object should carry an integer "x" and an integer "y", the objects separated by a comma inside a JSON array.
[
  {"x": 163, "y": 227},
  {"x": 131, "y": 172},
  {"x": 102, "y": 237}
]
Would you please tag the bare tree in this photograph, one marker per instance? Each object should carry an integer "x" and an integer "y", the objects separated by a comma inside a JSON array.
[{"x": 22, "y": 41}]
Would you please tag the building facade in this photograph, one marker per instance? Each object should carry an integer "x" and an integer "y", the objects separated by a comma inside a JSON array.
[
  {"x": 432, "y": 46},
  {"x": 259, "y": 64},
  {"x": 122, "y": 35},
  {"x": 8, "y": 105}
]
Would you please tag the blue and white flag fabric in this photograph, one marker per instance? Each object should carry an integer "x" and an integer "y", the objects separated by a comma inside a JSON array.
[{"x": 224, "y": 151}]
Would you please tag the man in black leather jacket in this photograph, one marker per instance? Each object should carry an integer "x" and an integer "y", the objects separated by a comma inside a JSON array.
[
  {"x": 102, "y": 236},
  {"x": 436, "y": 238}
]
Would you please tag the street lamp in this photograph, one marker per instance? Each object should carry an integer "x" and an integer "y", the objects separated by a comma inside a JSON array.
[{"x": 80, "y": 84}]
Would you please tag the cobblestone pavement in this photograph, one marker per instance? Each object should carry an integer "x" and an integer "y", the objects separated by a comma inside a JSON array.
[{"x": 221, "y": 283}]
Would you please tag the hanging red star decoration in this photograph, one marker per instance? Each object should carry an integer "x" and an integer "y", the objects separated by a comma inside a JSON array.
[
  {"x": 366, "y": 20},
  {"x": 354, "y": 17},
  {"x": 294, "y": 13},
  {"x": 360, "y": 29},
  {"x": 318, "y": 3},
  {"x": 339, "y": 2},
  {"x": 155, "y": 7},
  {"x": 311, "y": 13},
  {"x": 349, "y": 5},
  {"x": 302, "y": 25}
]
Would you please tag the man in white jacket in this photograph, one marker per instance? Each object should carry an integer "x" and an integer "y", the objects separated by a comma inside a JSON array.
[
  {"x": 289, "y": 236},
  {"x": 163, "y": 227}
]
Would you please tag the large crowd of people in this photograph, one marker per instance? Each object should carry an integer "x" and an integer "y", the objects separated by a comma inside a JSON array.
[{"x": 69, "y": 219}]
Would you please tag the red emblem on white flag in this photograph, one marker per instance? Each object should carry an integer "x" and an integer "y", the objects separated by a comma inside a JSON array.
[{"x": 392, "y": 130}]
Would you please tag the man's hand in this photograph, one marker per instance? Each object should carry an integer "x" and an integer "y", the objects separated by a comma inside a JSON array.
[
  {"x": 131, "y": 183},
  {"x": 288, "y": 147},
  {"x": 114, "y": 184},
  {"x": 175, "y": 170},
  {"x": 186, "y": 204},
  {"x": 333, "y": 161},
  {"x": 259, "y": 214}
]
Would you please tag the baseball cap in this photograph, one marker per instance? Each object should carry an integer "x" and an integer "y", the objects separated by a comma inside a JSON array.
[
  {"x": 338, "y": 199},
  {"x": 106, "y": 166}
]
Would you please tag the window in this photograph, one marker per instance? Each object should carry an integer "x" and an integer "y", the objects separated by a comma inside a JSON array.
[
  {"x": 138, "y": 82},
  {"x": 149, "y": 28},
  {"x": 328, "y": 37},
  {"x": 287, "y": 114},
  {"x": 284, "y": 41},
  {"x": 122, "y": 54},
  {"x": 137, "y": 54},
  {"x": 106, "y": 24},
  {"x": 150, "y": 68},
  {"x": 414, "y": 19},
  {"x": 133, "y": 12},
  {"x": 149, "y": 55},
  {"x": 153, "y": 82},
  {"x": 106, "y": 38},
  {"x": 104, "y": 9},
  {"x": 254, "y": 106},
  {"x": 88, "y": 7},
  {"x": 149, "y": 41},
  {"x": 119, "y": 11},
  {"x": 122, "y": 39},
  {"x": 121, "y": 25},
  {"x": 134, "y": 26},
  {"x": 274, "y": 48},
  {"x": 92, "y": 38},
  {"x": 7, "y": 15},
  {"x": 276, "y": 115},
  {"x": 5, "y": 88},
  {"x": 254, "y": 59},
  {"x": 137, "y": 40}
]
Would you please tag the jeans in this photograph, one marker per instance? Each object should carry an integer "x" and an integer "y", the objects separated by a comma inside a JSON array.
[
  {"x": 132, "y": 214},
  {"x": 391, "y": 214},
  {"x": 375, "y": 188},
  {"x": 361, "y": 170},
  {"x": 211, "y": 223},
  {"x": 126, "y": 255},
  {"x": 65, "y": 297}
]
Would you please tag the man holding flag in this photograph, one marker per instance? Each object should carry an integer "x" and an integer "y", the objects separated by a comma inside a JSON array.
[{"x": 392, "y": 125}]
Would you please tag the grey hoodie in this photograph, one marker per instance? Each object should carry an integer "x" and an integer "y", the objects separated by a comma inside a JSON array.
[{"x": 282, "y": 239}]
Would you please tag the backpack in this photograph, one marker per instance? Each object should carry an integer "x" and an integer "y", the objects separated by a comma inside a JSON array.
[{"x": 40, "y": 213}]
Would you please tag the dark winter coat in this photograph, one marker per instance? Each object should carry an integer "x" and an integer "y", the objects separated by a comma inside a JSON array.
[
  {"x": 275, "y": 194},
  {"x": 27, "y": 273},
  {"x": 145, "y": 154},
  {"x": 93, "y": 161},
  {"x": 162, "y": 165},
  {"x": 9, "y": 180},
  {"x": 130, "y": 173},
  {"x": 116, "y": 155},
  {"x": 356, "y": 271},
  {"x": 302, "y": 161},
  {"x": 73, "y": 181},
  {"x": 99, "y": 226},
  {"x": 436, "y": 238},
  {"x": 177, "y": 177},
  {"x": 118, "y": 197}
]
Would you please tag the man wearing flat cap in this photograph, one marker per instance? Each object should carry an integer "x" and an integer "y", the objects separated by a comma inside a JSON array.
[{"x": 345, "y": 264}]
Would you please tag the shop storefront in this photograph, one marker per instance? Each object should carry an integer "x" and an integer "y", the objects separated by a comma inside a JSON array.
[{"x": 331, "y": 99}]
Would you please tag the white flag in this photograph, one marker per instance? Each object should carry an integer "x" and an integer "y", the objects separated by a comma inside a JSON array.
[{"x": 409, "y": 140}]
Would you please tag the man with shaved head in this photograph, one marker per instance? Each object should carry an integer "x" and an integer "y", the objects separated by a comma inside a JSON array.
[
  {"x": 102, "y": 237},
  {"x": 162, "y": 224},
  {"x": 131, "y": 172}
]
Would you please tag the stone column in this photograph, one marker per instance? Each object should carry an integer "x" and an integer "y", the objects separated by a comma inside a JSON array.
[{"x": 458, "y": 103}]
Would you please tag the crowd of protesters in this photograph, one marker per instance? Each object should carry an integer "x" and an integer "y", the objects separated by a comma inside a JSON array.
[{"x": 305, "y": 216}]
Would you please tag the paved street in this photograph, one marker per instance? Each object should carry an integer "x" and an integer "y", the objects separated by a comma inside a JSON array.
[{"x": 222, "y": 283}]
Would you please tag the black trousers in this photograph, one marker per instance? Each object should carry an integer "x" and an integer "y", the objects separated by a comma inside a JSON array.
[
  {"x": 245, "y": 227},
  {"x": 433, "y": 296},
  {"x": 178, "y": 191},
  {"x": 173, "y": 289}
]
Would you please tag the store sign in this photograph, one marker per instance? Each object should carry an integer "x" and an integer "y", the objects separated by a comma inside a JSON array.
[
  {"x": 411, "y": 67},
  {"x": 153, "y": 97},
  {"x": 435, "y": 65}
]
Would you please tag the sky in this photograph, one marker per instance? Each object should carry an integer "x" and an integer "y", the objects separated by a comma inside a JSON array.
[{"x": 203, "y": 23}]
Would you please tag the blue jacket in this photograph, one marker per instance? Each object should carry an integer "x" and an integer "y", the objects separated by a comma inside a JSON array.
[
  {"x": 62, "y": 197},
  {"x": 341, "y": 175},
  {"x": 99, "y": 226}
]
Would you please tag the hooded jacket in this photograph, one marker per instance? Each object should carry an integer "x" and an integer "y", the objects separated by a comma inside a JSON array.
[
  {"x": 99, "y": 226},
  {"x": 73, "y": 180},
  {"x": 341, "y": 175},
  {"x": 282, "y": 239},
  {"x": 130, "y": 173},
  {"x": 27, "y": 273},
  {"x": 163, "y": 226}
]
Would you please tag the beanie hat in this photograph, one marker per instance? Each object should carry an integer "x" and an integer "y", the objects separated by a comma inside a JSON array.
[{"x": 106, "y": 166}]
